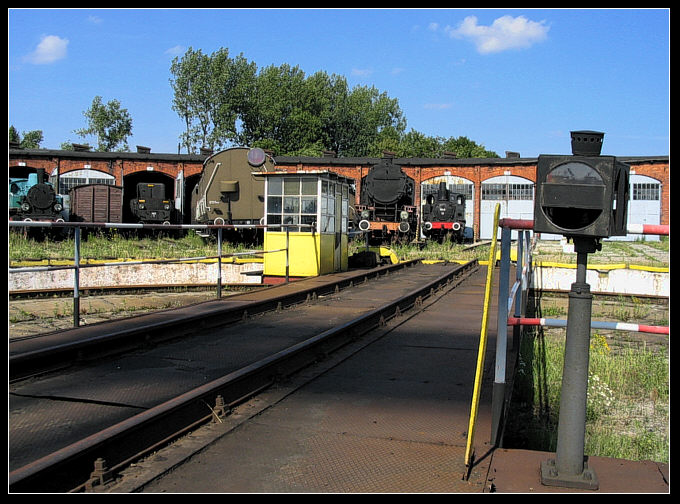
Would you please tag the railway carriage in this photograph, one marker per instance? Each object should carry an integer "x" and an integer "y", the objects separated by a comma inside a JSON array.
[{"x": 96, "y": 203}]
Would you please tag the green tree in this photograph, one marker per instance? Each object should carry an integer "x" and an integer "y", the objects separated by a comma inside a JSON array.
[
  {"x": 31, "y": 139},
  {"x": 361, "y": 121},
  {"x": 110, "y": 123},
  {"x": 275, "y": 116},
  {"x": 223, "y": 100},
  {"x": 466, "y": 148},
  {"x": 209, "y": 95}
]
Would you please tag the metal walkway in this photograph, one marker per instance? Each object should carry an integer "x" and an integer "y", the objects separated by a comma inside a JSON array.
[{"x": 391, "y": 417}]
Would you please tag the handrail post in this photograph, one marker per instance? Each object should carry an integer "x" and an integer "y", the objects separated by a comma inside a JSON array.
[
  {"x": 287, "y": 252},
  {"x": 519, "y": 277},
  {"x": 469, "y": 445},
  {"x": 498, "y": 391},
  {"x": 219, "y": 263},
  {"x": 76, "y": 278}
]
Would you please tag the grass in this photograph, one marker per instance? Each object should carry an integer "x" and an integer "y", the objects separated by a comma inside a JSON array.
[
  {"x": 639, "y": 253},
  {"x": 110, "y": 244},
  {"x": 627, "y": 415}
]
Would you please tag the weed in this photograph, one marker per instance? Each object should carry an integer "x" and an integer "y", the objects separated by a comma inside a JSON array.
[{"x": 627, "y": 413}]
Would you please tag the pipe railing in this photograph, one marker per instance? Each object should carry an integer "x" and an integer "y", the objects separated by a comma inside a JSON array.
[
  {"x": 77, "y": 266},
  {"x": 508, "y": 297},
  {"x": 517, "y": 296}
]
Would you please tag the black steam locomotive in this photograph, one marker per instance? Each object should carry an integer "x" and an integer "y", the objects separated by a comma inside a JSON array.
[
  {"x": 387, "y": 208},
  {"x": 151, "y": 206},
  {"x": 443, "y": 215}
]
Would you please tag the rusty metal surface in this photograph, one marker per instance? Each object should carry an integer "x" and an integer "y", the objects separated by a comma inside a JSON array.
[
  {"x": 518, "y": 471},
  {"x": 232, "y": 307},
  {"x": 54, "y": 411},
  {"x": 392, "y": 418}
]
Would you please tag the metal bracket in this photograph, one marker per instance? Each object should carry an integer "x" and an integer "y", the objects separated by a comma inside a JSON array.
[{"x": 587, "y": 480}]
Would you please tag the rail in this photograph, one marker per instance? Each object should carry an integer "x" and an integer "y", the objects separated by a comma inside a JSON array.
[{"x": 77, "y": 266}]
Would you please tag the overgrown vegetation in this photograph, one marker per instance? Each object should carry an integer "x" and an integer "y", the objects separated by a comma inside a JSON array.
[
  {"x": 111, "y": 244},
  {"x": 627, "y": 414}
]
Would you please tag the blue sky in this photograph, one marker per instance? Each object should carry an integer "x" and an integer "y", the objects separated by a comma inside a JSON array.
[{"x": 515, "y": 79}]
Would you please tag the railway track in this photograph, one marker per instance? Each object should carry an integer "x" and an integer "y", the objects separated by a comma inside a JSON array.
[{"x": 128, "y": 387}]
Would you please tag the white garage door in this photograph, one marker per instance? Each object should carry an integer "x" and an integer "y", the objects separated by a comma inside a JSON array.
[
  {"x": 516, "y": 197},
  {"x": 644, "y": 206}
]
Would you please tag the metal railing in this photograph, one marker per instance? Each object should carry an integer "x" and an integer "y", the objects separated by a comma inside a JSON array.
[
  {"x": 77, "y": 266},
  {"x": 515, "y": 298},
  {"x": 517, "y": 295},
  {"x": 509, "y": 297}
]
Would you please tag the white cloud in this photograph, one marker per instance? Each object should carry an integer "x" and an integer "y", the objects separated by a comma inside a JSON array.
[
  {"x": 50, "y": 49},
  {"x": 505, "y": 33},
  {"x": 437, "y": 106},
  {"x": 175, "y": 51},
  {"x": 361, "y": 72}
]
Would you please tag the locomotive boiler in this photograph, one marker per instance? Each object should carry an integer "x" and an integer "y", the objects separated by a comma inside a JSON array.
[
  {"x": 443, "y": 215},
  {"x": 387, "y": 203}
]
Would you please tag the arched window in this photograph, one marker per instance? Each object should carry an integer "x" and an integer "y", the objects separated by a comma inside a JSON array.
[{"x": 69, "y": 180}]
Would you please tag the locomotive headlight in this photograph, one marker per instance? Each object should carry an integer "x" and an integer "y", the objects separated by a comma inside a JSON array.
[
  {"x": 166, "y": 206},
  {"x": 365, "y": 214},
  {"x": 25, "y": 206},
  {"x": 57, "y": 207},
  {"x": 404, "y": 215},
  {"x": 142, "y": 206}
]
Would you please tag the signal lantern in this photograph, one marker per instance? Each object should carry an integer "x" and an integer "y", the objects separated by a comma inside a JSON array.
[{"x": 582, "y": 195}]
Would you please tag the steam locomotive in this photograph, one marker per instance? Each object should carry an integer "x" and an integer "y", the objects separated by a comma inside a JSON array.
[
  {"x": 34, "y": 199},
  {"x": 387, "y": 204},
  {"x": 443, "y": 215}
]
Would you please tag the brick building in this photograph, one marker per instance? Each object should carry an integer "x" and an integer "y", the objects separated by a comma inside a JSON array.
[{"x": 508, "y": 181}]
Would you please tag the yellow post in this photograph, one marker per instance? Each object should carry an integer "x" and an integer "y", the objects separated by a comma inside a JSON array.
[{"x": 482, "y": 342}]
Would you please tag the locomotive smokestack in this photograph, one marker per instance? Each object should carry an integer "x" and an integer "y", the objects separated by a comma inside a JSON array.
[
  {"x": 441, "y": 194},
  {"x": 586, "y": 143}
]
